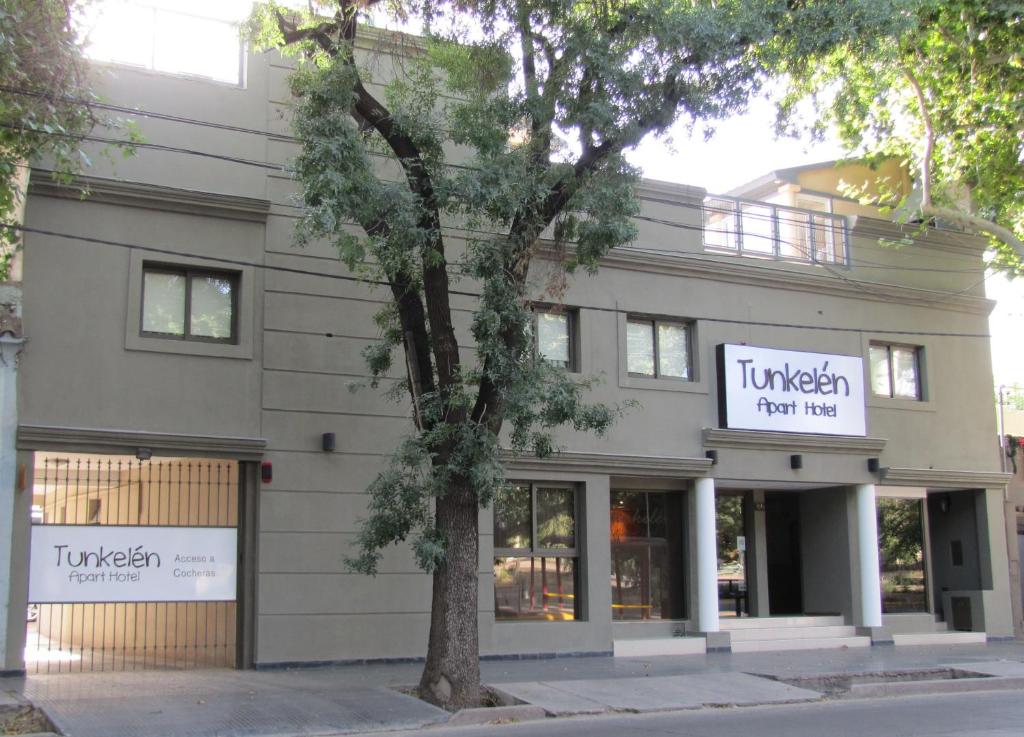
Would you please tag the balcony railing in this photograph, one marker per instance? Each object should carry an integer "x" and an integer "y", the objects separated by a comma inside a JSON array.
[{"x": 764, "y": 230}]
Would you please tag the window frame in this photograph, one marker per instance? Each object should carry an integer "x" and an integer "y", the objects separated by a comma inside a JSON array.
[
  {"x": 655, "y": 323},
  {"x": 918, "y": 352},
  {"x": 534, "y": 550},
  {"x": 189, "y": 273},
  {"x": 572, "y": 322}
]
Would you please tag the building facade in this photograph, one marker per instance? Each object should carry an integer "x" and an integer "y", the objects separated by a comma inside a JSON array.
[{"x": 809, "y": 462}]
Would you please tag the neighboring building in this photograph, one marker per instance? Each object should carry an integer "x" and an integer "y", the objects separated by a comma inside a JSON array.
[{"x": 795, "y": 379}]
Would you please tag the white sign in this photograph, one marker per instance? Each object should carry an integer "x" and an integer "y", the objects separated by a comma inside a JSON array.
[
  {"x": 790, "y": 391},
  {"x": 78, "y": 563}
]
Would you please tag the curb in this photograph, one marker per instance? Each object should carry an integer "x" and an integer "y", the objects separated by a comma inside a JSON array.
[
  {"x": 497, "y": 715},
  {"x": 916, "y": 688}
]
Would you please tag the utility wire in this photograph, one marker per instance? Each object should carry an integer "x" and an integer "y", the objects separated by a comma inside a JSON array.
[
  {"x": 475, "y": 295},
  {"x": 770, "y": 216}
]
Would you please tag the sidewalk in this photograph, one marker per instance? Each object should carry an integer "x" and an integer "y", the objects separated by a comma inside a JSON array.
[{"x": 348, "y": 699}]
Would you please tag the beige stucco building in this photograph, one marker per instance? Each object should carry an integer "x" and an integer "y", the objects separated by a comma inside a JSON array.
[{"x": 797, "y": 385}]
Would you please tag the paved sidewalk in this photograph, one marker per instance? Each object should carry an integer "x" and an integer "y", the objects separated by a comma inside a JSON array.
[{"x": 341, "y": 700}]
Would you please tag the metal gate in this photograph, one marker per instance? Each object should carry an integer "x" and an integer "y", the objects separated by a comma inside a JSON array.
[{"x": 172, "y": 497}]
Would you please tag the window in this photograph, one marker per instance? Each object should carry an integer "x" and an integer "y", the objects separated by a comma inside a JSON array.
[
  {"x": 658, "y": 349},
  {"x": 187, "y": 37},
  {"x": 189, "y": 304},
  {"x": 535, "y": 560},
  {"x": 895, "y": 371},
  {"x": 556, "y": 337},
  {"x": 648, "y": 555},
  {"x": 901, "y": 555}
]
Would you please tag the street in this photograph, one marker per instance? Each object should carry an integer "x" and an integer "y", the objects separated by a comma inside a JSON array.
[{"x": 986, "y": 714}]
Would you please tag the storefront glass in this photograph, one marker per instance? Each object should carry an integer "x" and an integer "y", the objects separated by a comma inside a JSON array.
[
  {"x": 647, "y": 555},
  {"x": 732, "y": 556},
  {"x": 901, "y": 555}
]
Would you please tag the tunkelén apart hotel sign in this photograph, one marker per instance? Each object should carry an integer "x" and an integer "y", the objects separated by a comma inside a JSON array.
[{"x": 790, "y": 391}]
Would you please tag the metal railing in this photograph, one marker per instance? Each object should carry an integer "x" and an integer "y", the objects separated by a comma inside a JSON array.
[{"x": 765, "y": 230}]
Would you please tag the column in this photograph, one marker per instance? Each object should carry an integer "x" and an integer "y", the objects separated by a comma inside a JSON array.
[
  {"x": 9, "y": 348},
  {"x": 867, "y": 553},
  {"x": 707, "y": 556}
]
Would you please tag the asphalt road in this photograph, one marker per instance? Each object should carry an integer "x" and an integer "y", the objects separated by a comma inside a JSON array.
[{"x": 984, "y": 714}]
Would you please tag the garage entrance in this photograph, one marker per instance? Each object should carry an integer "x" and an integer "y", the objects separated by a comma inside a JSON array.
[{"x": 134, "y": 563}]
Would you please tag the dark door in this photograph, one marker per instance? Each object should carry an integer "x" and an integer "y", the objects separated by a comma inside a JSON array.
[{"x": 782, "y": 530}]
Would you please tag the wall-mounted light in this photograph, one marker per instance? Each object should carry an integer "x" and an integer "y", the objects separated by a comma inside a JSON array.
[
  {"x": 143, "y": 454},
  {"x": 796, "y": 461},
  {"x": 327, "y": 441},
  {"x": 758, "y": 506},
  {"x": 944, "y": 503},
  {"x": 711, "y": 455},
  {"x": 873, "y": 465},
  {"x": 266, "y": 472}
]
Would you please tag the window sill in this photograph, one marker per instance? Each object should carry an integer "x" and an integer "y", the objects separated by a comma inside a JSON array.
[
  {"x": 909, "y": 405},
  {"x": 187, "y": 347},
  {"x": 667, "y": 385}
]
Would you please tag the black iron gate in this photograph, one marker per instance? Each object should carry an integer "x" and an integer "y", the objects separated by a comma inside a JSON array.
[{"x": 76, "y": 489}]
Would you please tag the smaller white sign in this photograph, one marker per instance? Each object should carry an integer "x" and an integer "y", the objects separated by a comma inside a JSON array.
[
  {"x": 790, "y": 391},
  {"x": 106, "y": 563}
]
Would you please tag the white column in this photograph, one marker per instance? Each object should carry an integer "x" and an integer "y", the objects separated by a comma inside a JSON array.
[
  {"x": 707, "y": 556},
  {"x": 867, "y": 547}
]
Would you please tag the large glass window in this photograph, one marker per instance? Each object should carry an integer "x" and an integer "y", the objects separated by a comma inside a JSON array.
[
  {"x": 647, "y": 555},
  {"x": 535, "y": 559},
  {"x": 732, "y": 555},
  {"x": 901, "y": 555},
  {"x": 189, "y": 304},
  {"x": 658, "y": 349},
  {"x": 189, "y": 37},
  {"x": 895, "y": 370}
]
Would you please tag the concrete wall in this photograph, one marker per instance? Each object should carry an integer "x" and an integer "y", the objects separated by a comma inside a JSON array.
[
  {"x": 958, "y": 524},
  {"x": 288, "y": 380}
]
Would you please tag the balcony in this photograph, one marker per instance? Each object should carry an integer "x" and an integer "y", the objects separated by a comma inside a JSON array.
[{"x": 763, "y": 230}]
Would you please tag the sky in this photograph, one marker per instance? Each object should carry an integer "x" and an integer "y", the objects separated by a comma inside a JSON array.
[{"x": 742, "y": 149}]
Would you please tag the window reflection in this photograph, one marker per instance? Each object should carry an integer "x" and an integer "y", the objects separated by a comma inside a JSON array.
[{"x": 647, "y": 555}]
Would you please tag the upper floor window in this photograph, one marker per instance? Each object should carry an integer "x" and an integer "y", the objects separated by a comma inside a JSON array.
[
  {"x": 895, "y": 370},
  {"x": 766, "y": 230},
  {"x": 189, "y": 304},
  {"x": 188, "y": 37},
  {"x": 657, "y": 348},
  {"x": 555, "y": 332}
]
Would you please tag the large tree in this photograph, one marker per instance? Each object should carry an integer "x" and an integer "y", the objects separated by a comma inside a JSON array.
[
  {"x": 946, "y": 96},
  {"x": 509, "y": 118}
]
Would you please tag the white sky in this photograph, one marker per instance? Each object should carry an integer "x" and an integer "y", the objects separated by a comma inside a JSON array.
[{"x": 742, "y": 149}]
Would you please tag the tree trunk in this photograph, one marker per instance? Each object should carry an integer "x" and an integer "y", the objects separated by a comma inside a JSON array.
[{"x": 451, "y": 676}]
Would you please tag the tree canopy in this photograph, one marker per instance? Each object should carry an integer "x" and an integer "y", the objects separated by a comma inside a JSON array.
[
  {"x": 945, "y": 96},
  {"x": 505, "y": 123},
  {"x": 44, "y": 100}
]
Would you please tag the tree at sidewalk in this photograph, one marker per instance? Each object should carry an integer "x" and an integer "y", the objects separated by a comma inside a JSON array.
[
  {"x": 508, "y": 119},
  {"x": 947, "y": 98}
]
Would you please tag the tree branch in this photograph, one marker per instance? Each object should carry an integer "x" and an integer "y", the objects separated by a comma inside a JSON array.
[
  {"x": 368, "y": 110},
  {"x": 977, "y": 224},
  {"x": 929, "y": 137}
]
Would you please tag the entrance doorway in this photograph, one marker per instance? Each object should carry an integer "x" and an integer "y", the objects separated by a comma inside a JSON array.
[
  {"x": 106, "y": 594},
  {"x": 782, "y": 545},
  {"x": 647, "y": 555}
]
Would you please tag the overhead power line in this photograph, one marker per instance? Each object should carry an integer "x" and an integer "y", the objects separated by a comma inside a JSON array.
[{"x": 463, "y": 293}]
